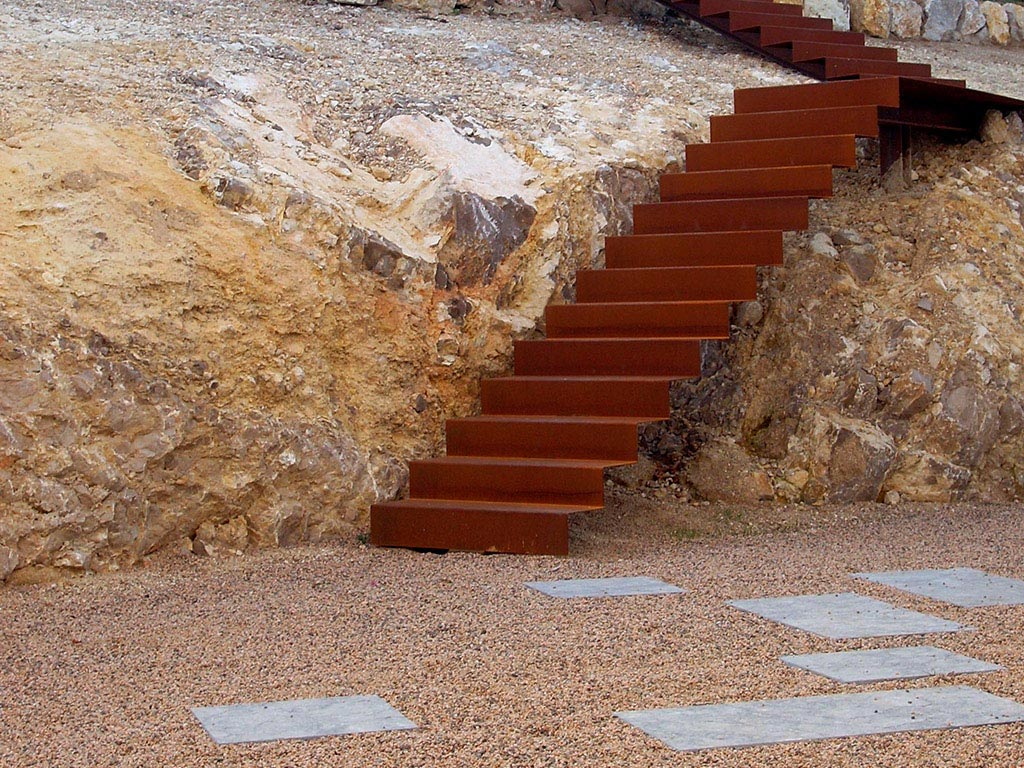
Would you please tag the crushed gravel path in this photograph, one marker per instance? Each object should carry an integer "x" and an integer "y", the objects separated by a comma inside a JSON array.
[{"x": 102, "y": 671}]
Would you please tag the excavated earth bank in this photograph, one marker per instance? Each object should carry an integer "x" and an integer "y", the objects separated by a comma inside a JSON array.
[{"x": 254, "y": 254}]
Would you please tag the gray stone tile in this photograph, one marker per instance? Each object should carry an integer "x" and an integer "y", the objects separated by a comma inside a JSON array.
[
  {"x": 778, "y": 721},
  {"x": 300, "y": 719},
  {"x": 966, "y": 587},
  {"x": 888, "y": 664},
  {"x": 614, "y": 587},
  {"x": 844, "y": 616}
]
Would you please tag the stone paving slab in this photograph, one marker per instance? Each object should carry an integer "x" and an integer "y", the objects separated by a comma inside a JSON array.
[
  {"x": 966, "y": 587},
  {"x": 611, "y": 587},
  {"x": 845, "y": 615},
  {"x": 888, "y": 664},
  {"x": 300, "y": 719},
  {"x": 778, "y": 721}
]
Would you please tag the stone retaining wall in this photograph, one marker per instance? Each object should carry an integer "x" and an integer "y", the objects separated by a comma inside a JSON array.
[{"x": 937, "y": 20}]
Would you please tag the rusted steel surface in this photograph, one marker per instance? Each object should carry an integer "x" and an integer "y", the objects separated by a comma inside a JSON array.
[
  {"x": 719, "y": 7},
  {"x": 644, "y": 398},
  {"x": 839, "y": 151},
  {"x": 520, "y": 481},
  {"x": 475, "y": 526},
  {"x": 551, "y": 437},
  {"x": 677, "y": 358},
  {"x": 794, "y": 123},
  {"x": 792, "y": 181},
  {"x": 783, "y": 35},
  {"x": 705, "y": 320},
  {"x": 878, "y": 91},
  {"x": 837, "y": 68},
  {"x": 694, "y": 249},
  {"x": 743, "y": 20},
  {"x": 811, "y": 51},
  {"x": 737, "y": 283},
  {"x": 717, "y": 215}
]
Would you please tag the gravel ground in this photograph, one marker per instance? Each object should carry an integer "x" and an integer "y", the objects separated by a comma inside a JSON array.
[{"x": 102, "y": 671}]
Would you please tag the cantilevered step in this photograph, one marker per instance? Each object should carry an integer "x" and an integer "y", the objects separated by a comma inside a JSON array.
[
  {"x": 476, "y": 526},
  {"x": 860, "y": 121},
  {"x": 743, "y": 21},
  {"x": 515, "y": 480},
  {"x": 644, "y": 398},
  {"x": 877, "y": 91},
  {"x": 783, "y": 35},
  {"x": 705, "y": 320},
  {"x": 839, "y": 151},
  {"x": 730, "y": 214},
  {"x": 732, "y": 283},
  {"x": 547, "y": 437},
  {"x": 694, "y": 249},
  {"x": 813, "y": 51},
  {"x": 838, "y": 68},
  {"x": 790, "y": 181},
  {"x": 721, "y": 7},
  {"x": 678, "y": 358}
]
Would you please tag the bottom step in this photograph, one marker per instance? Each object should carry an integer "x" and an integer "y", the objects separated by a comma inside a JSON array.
[{"x": 474, "y": 526}]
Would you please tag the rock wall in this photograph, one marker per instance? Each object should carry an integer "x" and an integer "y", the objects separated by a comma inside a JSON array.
[
  {"x": 883, "y": 361},
  {"x": 936, "y": 20}
]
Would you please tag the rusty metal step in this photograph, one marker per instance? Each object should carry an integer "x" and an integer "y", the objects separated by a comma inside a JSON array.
[
  {"x": 727, "y": 283},
  {"x": 720, "y": 7},
  {"x": 875, "y": 91},
  {"x": 644, "y": 398},
  {"x": 695, "y": 319},
  {"x": 694, "y": 249},
  {"x": 837, "y": 69},
  {"x": 475, "y": 526},
  {"x": 790, "y": 181},
  {"x": 678, "y": 358},
  {"x": 550, "y": 437},
  {"x": 840, "y": 151},
  {"x": 783, "y": 35},
  {"x": 520, "y": 481},
  {"x": 832, "y": 121},
  {"x": 721, "y": 215},
  {"x": 742, "y": 21},
  {"x": 812, "y": 51}
]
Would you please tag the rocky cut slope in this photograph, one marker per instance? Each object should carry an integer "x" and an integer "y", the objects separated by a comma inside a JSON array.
[{"x": 254, "y": 254}]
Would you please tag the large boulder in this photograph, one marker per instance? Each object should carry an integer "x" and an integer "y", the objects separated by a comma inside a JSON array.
[
  {"x": 906, "y": 18},
  {"x": 838, "y": 11},
  {"x": 1015, "y": 20},
  {"x": 873, "y": 17},
  {"x": 941, "y": 19},
  {"x": 997, "y": 21}
]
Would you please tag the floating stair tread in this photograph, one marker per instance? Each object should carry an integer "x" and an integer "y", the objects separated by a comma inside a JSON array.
[
  {"x": 783, "y": 35},
  {"x": 742, "y": 21},
  {"x": 836, "y": 150},
  {"x": 468, "y": 505},
  {"x": 814, "y": 51},
  {"x": 720, "y": 7},
  {"x": 519, "y": 461},
  {"x": 838, "y": 67},
  {"x": 543, "y": 419},
  {"x": 694, "y": 249},
  {"x": 785, "y": 181},
  {"x": 875, "y": 91}
]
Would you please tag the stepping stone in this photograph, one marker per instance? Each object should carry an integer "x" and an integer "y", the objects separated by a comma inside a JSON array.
[
  {"x": 300, "y": 719},
  {"x": 614, "y": 587},
  {"x": 845, "y": 616},
  {"x": 966, "y": 587},
  {"x": 888, "y": 664},
  {"x": 755, "y": 723}
]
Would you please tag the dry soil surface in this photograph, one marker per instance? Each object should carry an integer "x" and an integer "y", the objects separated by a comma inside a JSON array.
[{"x": 103, "y": 671}]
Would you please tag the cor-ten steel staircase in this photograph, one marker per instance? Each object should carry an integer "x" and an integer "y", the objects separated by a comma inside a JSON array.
[{"x": 536, "y": 455}]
